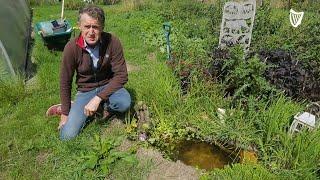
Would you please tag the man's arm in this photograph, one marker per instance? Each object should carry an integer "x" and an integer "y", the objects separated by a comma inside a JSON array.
[{"x": 67, "y": 69}]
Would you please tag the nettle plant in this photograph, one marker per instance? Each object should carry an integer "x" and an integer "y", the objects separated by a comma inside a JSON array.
[
  {"x": 104, "y": 155},
  {"x": 244, "y": 77}
]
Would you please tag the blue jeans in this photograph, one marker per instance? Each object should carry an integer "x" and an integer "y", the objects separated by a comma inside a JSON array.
[{"x": 119, "y": 101}]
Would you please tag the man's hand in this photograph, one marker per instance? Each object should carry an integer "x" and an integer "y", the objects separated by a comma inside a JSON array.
[
  {"x": 63, "y": 120},
  {"x": 92, "y": 106}
]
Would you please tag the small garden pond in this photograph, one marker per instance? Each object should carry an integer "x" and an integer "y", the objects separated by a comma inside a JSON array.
[{"x": 203, "y": 155}]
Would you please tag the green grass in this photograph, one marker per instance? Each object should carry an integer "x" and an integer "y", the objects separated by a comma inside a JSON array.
[{"x": 247, "y": 172}]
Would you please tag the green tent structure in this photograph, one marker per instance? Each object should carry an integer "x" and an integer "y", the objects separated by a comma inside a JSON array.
[{"x": 15, "y": 30}]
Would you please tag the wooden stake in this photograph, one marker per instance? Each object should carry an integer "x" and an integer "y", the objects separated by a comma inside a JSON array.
[
  {"x": 62, "y": 8},
  {"x": 289, "y": 4}
]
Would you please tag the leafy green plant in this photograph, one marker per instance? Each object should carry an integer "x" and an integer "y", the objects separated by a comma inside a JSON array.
[
  {"x": 104, "y": 155},
  {"x": 245, "y": 76}
]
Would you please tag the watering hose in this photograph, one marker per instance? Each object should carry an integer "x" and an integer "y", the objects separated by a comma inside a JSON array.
[{"x": 167, "y": 29}]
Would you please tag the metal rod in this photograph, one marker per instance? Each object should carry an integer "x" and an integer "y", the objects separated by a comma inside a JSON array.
[
  {"x": 167, "y": 29},
  {"x": 6, "y": 57}
]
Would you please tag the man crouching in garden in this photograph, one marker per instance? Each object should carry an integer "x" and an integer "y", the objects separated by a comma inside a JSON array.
[{"x": 101, "y": 72}]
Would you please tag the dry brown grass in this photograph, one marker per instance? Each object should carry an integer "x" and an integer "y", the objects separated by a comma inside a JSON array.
[{"x": 129, "y": 5}]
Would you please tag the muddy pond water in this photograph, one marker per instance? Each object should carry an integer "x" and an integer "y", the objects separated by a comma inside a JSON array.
[{"x": 203, "y": 155}]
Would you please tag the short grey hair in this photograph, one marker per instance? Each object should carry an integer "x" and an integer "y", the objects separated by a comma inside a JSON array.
[{"x": 94, "y": 12}]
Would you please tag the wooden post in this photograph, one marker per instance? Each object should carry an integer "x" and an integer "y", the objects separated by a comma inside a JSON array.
[
  {"x": 62, "y": 8},
  {"x": 289, "y": 4}
]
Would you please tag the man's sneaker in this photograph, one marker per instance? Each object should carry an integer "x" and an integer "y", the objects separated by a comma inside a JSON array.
[{"x": 54, "y": 110}]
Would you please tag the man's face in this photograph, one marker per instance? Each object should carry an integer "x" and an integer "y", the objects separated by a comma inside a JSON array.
[{"x": 90, "y": 29}]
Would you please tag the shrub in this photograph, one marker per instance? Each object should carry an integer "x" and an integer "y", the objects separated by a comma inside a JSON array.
[{"x": 242, "y": 77}]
